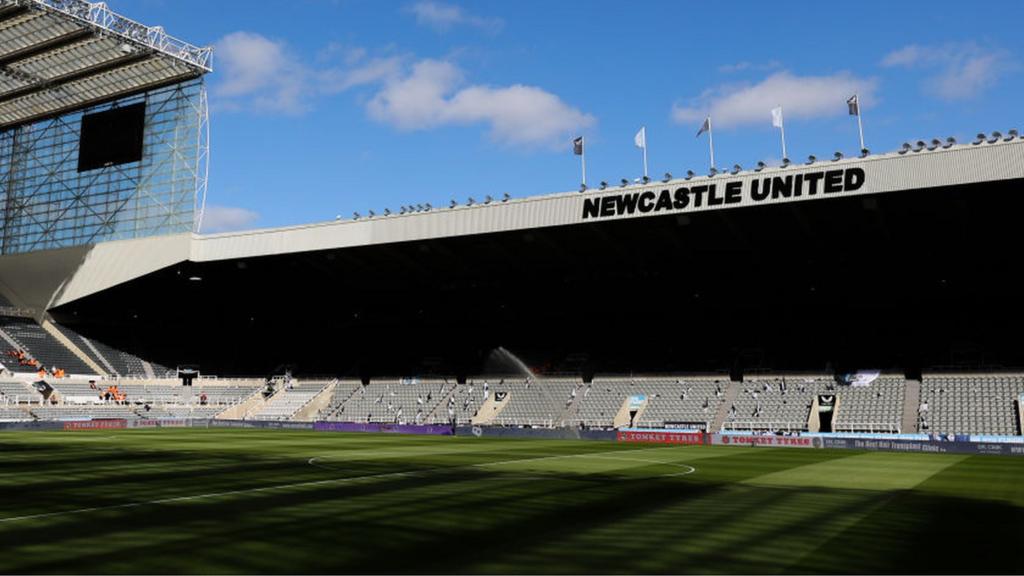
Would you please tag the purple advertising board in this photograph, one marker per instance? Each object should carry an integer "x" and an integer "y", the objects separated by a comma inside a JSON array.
[{"x": 421, "y": 429}]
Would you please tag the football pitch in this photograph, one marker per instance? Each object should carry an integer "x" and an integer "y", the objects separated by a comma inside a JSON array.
[{"x": 275, "y": 501}]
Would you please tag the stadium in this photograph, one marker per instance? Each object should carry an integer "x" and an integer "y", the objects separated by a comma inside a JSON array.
[{"x": 807, "y": 368}]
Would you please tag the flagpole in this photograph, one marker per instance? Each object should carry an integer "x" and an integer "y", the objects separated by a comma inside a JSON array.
[
  {"x": 583, "y": 158},
  {"x": 645, "y": 153},
  {"x": 782, "y": 128},
  {"x": 711, "y": 142},
  {"x": 860, "y": 125}
]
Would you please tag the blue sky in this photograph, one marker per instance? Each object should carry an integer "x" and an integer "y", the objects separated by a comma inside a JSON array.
[{"x": 322, "y": 107}]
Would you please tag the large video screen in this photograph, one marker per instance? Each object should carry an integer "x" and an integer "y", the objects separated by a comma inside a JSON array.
[{"x": 111, "y": 137}]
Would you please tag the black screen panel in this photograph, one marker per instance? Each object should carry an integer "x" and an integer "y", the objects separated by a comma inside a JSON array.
[{"x": 112, "y": 137}]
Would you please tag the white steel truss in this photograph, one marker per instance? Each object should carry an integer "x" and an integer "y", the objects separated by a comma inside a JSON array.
[{"x": 97, "y": 14}]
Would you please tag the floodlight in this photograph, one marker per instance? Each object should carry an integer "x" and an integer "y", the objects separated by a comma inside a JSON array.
[
  {"x": 837, "y": 156},
  {"x": 919, "y": 145},
  {"x": 935, "y": 144},
  {"x": 786, "y": 162},
  {"x": 995, "y": 137},
  {"x": 979, "y": 138},
  {"x": 624, "y": 182},
  {"x": 949, "y": 142},
  {"x": 905, "y": 148},
  {"x": 1010, "y": 135},
  {"x": 583, "y": 188},
  {"x": 453, "y": 204},
  {"x": 355, "y": 216},
  {"x": 645, "y": 179},
  {"x": 760, "y": 166},
  {"x": 713, "y": 171},
  {"x": 387, "y": 212},
  {"x": 736, "y": 168},
  {"x": 488, "y": 199},
  {"x": 666, "y": 177},
  {"x": 505, "y": 197},
  {"x": 689, "y": 174},
  {"x": 603, "y": 185},
  {"x": 470, "y": 201},
  {"x": 864, "y": 152},
  {"x": 812, "y": 159}
]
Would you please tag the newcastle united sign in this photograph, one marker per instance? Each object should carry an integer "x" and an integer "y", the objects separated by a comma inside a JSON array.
[{"x": 725, "y": 193}]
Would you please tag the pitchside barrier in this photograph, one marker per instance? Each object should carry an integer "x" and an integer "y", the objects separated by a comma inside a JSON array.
[
  {"x": 30, "y": 425},
  {"x": 763, "y": 440},
  {"x": 264, "y": 424},
  {"x": 540, "y": 433},
  {"x": 658, "y": 436},
  {"x": 419, "y": 429},
  {"x": 932, "y": 446},
  {"x": 841, "y": 441},
  {"x": 921, "y": 443}
]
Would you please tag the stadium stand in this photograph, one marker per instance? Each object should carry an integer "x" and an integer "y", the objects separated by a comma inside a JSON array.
[
  {"x": 343, "y": 390},
  {"x": 542, "y": 402},
  {"x": 463, "y": 403},
  {"x": 77, "y": 391},
  {"x": 395, "y": 401},
  {"x": 689, "y": 402},
  {"x": 286, "y": 402},
  {"x": 970, "y": 403},
  {"x": 774, "y": 403},
  {"x": 18, "y": 392},
  {"x": 118, "y": 363},
  {"x": 149, "y": 399},
  {"x": 877, "y": 407},
  {"x": 14, "y": 414},
  {"x": 84, "y": 412},
  {"x": 123, "y": 363},
  {"x": 32, "y": 338},
  {"x": 949, "y": 403}
]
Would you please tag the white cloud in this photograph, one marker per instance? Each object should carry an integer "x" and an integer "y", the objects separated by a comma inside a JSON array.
[
  {"x": 745, "y": 66},
  {"x": 964, "y": 69},
  {"x": 443, "y": 17},
  {"x": 800, "y": 96},
  {"x": 431, "y": 95},
  {"x": 373, "y": 71},
  {"x": 261, "y": 74},
  {"x": 227, "y": 219},
  {"x": 258, "y": 73}
]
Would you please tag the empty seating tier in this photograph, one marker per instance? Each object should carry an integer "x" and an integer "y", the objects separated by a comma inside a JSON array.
[
  {"x": 970, "y": 403},
  {"x": 34, "y": 339}
]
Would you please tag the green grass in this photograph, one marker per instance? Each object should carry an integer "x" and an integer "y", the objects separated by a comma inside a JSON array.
[{"x": 249, "y": 501}]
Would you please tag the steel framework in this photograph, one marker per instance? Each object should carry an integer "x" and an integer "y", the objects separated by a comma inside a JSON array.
[
  {"x": 47, "y": 203},
  {"x": 99, "y": 15}
]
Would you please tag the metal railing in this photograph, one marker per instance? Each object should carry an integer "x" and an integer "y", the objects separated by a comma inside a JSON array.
[
  {"x": 743, "y": 425},
  {"x": 871, "y": 427}
]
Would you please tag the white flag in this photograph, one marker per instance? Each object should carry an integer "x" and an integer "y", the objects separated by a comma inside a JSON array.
[
  {"x": 641, "y": 138},
  {"x": 777, "y": 117}
]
